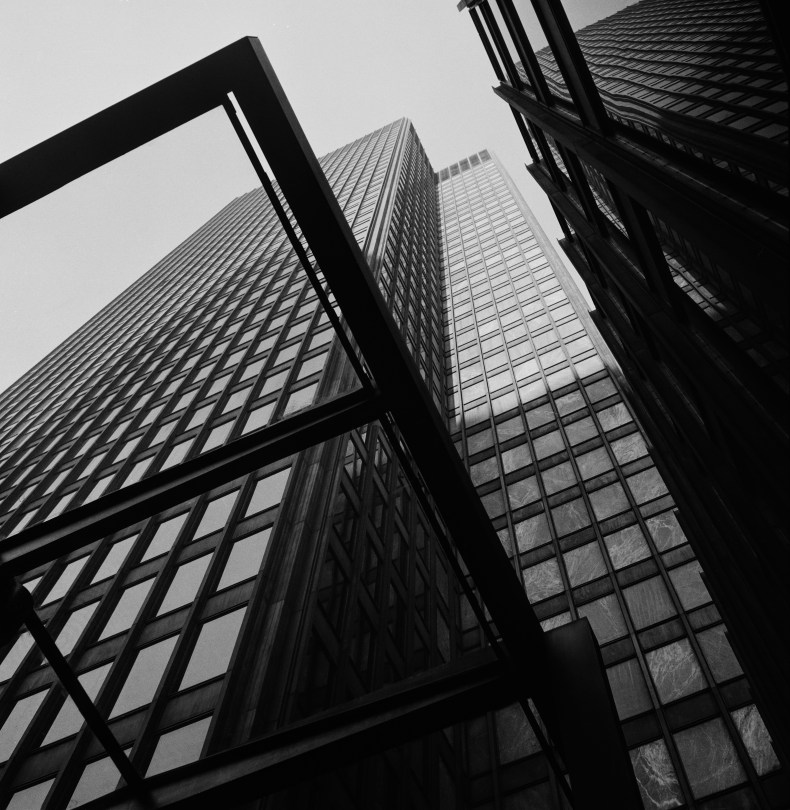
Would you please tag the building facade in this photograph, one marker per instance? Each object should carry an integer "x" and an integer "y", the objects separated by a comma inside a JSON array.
[
  {"x": 660, "y": 136},
  {"x": 316, "y": 581}
]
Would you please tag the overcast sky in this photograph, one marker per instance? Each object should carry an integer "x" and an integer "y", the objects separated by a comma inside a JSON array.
[{"x": 348, "y": 67}]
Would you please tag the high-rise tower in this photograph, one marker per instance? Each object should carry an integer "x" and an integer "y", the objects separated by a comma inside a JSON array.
[
  {"x": 660, "y": 136},
  {"x": 280, "y": 598}
]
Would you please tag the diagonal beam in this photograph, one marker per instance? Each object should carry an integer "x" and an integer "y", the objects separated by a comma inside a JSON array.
[
  {"x": 84, "y": 524},
  {"x": 362, "y": 728}
]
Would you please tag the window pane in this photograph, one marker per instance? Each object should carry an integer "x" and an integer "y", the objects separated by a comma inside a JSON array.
[
  {"x": 648, "y": 602},
  {"x": 185, "y": 584},
  {"x": 655, "y": 775},
  {"x": 259, "y": 417},
  {"x": 605, "y": 618},
  {"x": 300, "y": 399},
  {"x": 114, "y": 559},
  {"x": 126, "y": 610},
  {"x": 15, "y": 656},
  {"x": 31, "y": 798},
  {"x": 75, "y": 624},
  {"x": 268, "y": 492},
  {"x": 66, "y": 580},
  {"x": 628, "y": 689},
  {"x": 165, "y": 536},
  {"x": 216, "y": 515},
  {"x": 17, "y": 722},
  {"x": 689, "y": 585},
  {"x": 144, "y": 677},
  {"x": 709, "y": 758},
  {"x": 214, "y": 648},
  {"x": 721, "y": 659},
  {"x": 675, "y": 671},
  {"x": 69, "y": 719},
  {"x": 245, "y": 558},
  {"x": 178, "y": 747},
  {"x": 98, "y": 778}
]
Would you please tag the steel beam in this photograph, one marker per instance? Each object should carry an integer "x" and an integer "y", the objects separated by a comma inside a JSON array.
[
  {"x": 362, "y": 728},
  {"x": 77, "y": 527}
]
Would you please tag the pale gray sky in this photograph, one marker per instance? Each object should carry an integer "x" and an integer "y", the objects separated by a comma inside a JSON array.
[{"x": 348, "y": 67}]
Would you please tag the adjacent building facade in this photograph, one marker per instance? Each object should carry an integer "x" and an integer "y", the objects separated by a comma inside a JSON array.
[
  {"x": 322, "y": 579},
  {"x": 660, "y": 136}
]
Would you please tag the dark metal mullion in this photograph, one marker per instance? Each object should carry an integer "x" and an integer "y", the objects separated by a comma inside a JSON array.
[
  {"x": 643, "y": 237},
  {"x": 501, "y": 45},
  {"x": 522, "y": 44},
  {"x": 522, "y": 128},
  {"x": 582, "y": 187},
  {"x": 571, "y": 63},
  {"x": 487, "y": 44},
  {"x": 83, "y": 525},
  {"x": 297, "y": 246}
]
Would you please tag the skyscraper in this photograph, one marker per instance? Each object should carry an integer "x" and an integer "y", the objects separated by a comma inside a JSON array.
[
  {"x": 321, "y": 579},
  {"x": 660, "y": 137}
]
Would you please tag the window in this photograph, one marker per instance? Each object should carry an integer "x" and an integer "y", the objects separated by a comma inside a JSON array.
[
  {"x": 69, "y": 720},
  {"x": 300, "y": 398},
  {"x": 213, "y": 649},
  {"x": 99, "y": 778},
  {"x": 17, "y": 722},
  {"x": 216, "y": 514},
  {"x": 245, "y": 558},
  {"x": 66, "y": 580},
  {"x": 114, "y": 559},
  {"x": 75, "y": 624},
  {"x": 31, "y": 798},
  {"x": 259, "y": 417},
  {"x": 179, "y": 747},
  {"x": 217, "y": 436},
  {"x": 143, "y": 679},
  {"x": 16, "y": 655},
  {"x": 165, "y": 536},
  {"x": 268, "y": 492},
  {"x": 185, "y": 584},
  {"x": 125, "y": 613}
]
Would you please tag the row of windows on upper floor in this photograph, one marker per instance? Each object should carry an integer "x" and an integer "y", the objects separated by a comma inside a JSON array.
[
  {"x": 128, "y": 339},
  {"x": 183, "y": 333},
  {"x": 132, "y": 552},
  {"x": 139, "y": 293},
  {"x": 212, "y": 641},
  {"x": 263, "y": 398},
  {"x": 146, "y": 292}
]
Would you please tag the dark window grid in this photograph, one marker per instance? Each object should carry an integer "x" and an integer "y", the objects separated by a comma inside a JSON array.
[
  {"x": 77, "y": 408},
  {"x": 680, "y": 614},
  {"x": 111, "y": 429},
  {"x": 383, "y": 542},
  {"x": 56, "y": 698},
  {"x": 16, "y": 689},
  {"x": 181, "y": 655},
  {"x": 608, "y": 564},
  {"x": 124, "y": 660}
]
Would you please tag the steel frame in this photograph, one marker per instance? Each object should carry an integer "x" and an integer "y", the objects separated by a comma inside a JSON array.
[{"x": 579, "y": 711}]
